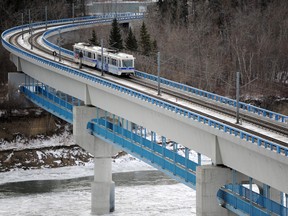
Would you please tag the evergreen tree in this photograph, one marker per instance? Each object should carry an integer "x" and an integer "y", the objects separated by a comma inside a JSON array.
[
  {"x": 145, "y": 42},
  {"x": 184, "y": 11},
  {"x": 94, "y": 40},
  {"x": 115, "y": 38},
  {"x": 131, "y": 42},
  {"x": 154, "y": 46}
]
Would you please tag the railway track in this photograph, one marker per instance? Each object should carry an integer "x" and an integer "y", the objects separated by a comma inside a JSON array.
[{"x": 280, "y": 129}]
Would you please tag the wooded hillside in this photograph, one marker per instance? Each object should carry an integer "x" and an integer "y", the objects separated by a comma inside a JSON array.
[{"x": 204, "y": 43}]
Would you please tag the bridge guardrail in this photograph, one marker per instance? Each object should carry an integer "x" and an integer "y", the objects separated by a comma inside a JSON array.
[
  {"x": 218, "y": 98},
  {"x": 215, "y": 97},
  {"x": 153, "y": 101},
  {"x": 242, "y": 202},
  {"x": 166, "y": 159},
  {"x": 103, "y": 20},
  {"x": 61, "y": 112}
]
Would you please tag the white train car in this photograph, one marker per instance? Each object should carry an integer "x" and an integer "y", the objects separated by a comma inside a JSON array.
[{"x": 113, "y": 62}]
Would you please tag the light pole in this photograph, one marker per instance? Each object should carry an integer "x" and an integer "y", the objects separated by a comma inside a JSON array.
[
  {"x": 73, "y": 12},
  {"x": 31, "y": 42},
  {"x": 237, "y": 96},
  {"x": 46, "y": 16},
  {"x": 29, "y": 21},
  {"x": 158, "y": 72},
  {"x": 102, "y": 73},
  {"x": 59, "y": 41},
  {"x": 22, "y": 25}
]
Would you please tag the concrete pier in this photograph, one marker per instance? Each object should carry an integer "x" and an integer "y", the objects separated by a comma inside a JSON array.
[
  {"x": 209, "y": 179},
  {"x": 103, "y": 188}
]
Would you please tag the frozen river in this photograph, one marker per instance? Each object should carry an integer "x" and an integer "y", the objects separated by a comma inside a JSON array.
[{"x": 67, "y": 191}]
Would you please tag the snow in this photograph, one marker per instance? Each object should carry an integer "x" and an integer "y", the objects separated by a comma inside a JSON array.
[
  {"x": 66, "y": 138},
  {"x": 170, "y": 199},
  {"x": 148, "y": 200},
  {"x": 166, "y": 200}
]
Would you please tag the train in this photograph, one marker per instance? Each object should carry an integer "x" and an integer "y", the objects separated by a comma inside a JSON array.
[{"x": 118, "y": 63}]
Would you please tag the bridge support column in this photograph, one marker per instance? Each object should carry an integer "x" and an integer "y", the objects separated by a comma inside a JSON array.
[
  {"x": 209, "y": 179},
  {"x": 103, "y": 188}
]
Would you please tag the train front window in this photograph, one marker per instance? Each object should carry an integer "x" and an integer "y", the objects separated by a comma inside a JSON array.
[{"x": 127, "y": 63}]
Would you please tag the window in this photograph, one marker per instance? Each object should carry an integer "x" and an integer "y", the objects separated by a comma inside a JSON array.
[
  {"x": 99, "y": 57},
  {"x": 128, "y": 63},
  {"x": 114, "y": 62},
  {"x": 89, "y": 54}
]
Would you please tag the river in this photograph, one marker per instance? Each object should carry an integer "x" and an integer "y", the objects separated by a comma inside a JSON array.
[{"x": 136, "y": 193}]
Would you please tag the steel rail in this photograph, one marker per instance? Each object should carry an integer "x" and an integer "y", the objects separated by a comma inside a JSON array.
[{"x": 176, "y": 104}]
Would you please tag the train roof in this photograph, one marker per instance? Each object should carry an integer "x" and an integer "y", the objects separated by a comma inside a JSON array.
[{"x": 112, "y": 53}]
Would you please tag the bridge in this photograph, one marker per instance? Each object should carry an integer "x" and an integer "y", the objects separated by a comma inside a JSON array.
[{"x": 248, "y": 174}]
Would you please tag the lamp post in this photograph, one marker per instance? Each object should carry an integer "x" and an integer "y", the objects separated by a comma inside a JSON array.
[
  {"x": 46, "y": 16},
  {"x": 59, "y": 41},
  {"x": 102, "y": 73},
  {"x": 237, "y": 96},
  {"x": 22, "y": 25},
  {"x": 73, "y": 11},
  {"x": 158, "y": 72}
]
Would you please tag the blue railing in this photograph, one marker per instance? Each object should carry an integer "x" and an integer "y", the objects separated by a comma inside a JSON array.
[
  {"x": 102, "y": 19},
  {"x": 54, "y": 98},
  {"x": 156, "y": 155},
  {"x": 49, "y": 102},
  {"x": 146, "y": 98},
  {"x": 239, "y": 198},
  {"x": 218, "y": 98},
  {"x": 224, "y": 100}
]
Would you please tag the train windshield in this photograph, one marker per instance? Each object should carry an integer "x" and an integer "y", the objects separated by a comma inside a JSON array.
[{"x": 127, "y": 63}]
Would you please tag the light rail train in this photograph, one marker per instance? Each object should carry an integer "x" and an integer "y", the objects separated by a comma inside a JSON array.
[{"x": 113, "y": 62}]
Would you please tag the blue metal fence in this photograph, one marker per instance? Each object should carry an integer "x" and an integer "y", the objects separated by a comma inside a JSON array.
[
  {"x": 49, "y": 102},
  {"x": 238, "y": 197},
  {"x": 99, "y": 19},
  {"x": 224, "y": 100},
  {"x": 146, "y": 98},
  {"x": 156, "y": 155}
]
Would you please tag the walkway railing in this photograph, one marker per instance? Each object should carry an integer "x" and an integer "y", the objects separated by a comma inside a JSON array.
[
  {"x": 50, "y": 102},
  {"x": 233, "y": 197},
  {"x": 146, "y": 98},
  {"x": 238, "y": 198},
  {"x": 168, "y": 161}
]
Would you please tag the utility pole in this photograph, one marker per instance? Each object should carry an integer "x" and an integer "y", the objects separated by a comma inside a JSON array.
[
  {"x": 73, "y": 11},
  {"x": 31, "y": 42},
  {"x": 102, "y": 73},
  {"x": 46, "y": 16},
  {"x": 59, "y": 41},
  {"x": 22, "y": 26},
  {"x": 237, "y": 96},
  {"x": 29, "y": 21},
  {"x": 158, "y": 72}
]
